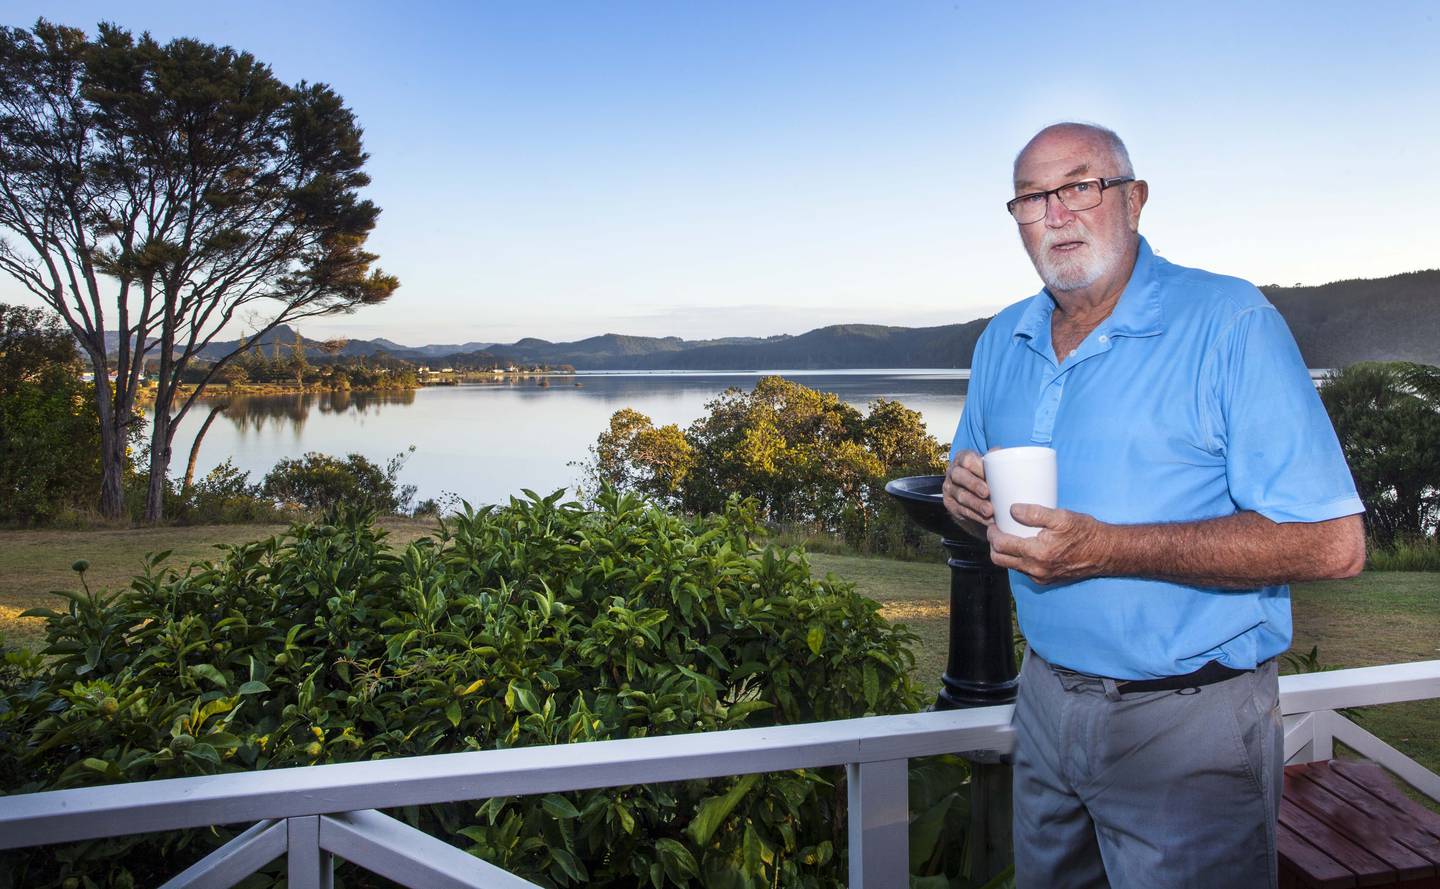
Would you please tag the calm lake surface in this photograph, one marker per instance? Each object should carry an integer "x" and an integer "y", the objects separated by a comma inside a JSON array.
[{"x": 487, "y": 441}]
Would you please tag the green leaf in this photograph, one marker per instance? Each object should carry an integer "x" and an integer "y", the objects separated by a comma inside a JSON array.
[
  {"x": 927, "y": 832},
  {"x": 673, "y": 852},
  {"x": 559, "y": 807},
  {"x": 253, "y": 687},
  {"x": 622, "y": 812},
  {"x": 525, "y": 696},
  {"x": 205, "y": 752},
  {"x": 713, "y": 811},
  {"x": 743, "y": 709},
  {"x": 452, "y": 713},
  {"x": 571, "y": 865},
  {"x": 214, "y": 708},
  {"x": 221, "y": 740},
  {"x": 208, "y": 671},
  {"x": 815, "y": 638},
  {"x": 871, "y": 679},
  {"x": 754, "y": 851}
]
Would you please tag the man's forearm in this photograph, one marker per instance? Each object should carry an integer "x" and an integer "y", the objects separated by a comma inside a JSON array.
[{"x": 1241, "y": 551}]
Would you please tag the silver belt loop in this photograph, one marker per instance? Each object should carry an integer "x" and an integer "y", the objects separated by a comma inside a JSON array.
[{"x": 1112, "y": 691}]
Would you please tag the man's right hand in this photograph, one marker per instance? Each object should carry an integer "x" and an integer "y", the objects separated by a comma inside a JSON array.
[{"x": 967, "y": 497}]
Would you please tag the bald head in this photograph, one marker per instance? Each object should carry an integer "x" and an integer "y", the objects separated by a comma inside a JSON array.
[{"x": 1088, "y": 137}]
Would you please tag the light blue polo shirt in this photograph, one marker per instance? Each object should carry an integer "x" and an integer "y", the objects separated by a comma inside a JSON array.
[{"x": 1189, "y": 402}]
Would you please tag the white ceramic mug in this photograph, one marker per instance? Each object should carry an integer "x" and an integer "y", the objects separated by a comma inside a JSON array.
[{"x": 1020, "y": 475}]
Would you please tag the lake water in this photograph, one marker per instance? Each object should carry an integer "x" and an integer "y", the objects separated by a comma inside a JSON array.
[{"x": 486, "y": 441}]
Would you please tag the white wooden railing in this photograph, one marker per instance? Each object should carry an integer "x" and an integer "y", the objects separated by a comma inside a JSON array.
[{"x": 319, "y": 813}]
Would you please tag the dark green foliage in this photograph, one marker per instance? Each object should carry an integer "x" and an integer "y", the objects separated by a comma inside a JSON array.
[
  {"x": 49, "y": 430},
  {"x": 1388, "y": 423},
  {"x": 536, "y": 623},
  {"x": 320, "y": 481},
  {"x": 226, "y": 496}
]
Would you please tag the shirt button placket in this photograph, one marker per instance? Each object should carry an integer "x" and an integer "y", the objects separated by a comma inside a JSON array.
[{"x": 1045, "y": 412}]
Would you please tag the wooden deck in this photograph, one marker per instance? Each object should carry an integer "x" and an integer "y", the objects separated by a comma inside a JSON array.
[{"x": 1346, "y": 824}]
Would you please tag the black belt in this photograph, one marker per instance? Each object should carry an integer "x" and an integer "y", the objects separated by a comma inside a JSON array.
[{"x": 1212, "y": 672}]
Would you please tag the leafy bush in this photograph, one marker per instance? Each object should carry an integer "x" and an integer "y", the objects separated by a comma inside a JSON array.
[
  {"x": 811, "y": 462},
  {"x": 320, "y": 481},
  {"x": 49, "y": 427},
  {"x": 225, "y": 496},
  {"x": 1387, "y": 417},
  {"x": 537, "y": 623}
]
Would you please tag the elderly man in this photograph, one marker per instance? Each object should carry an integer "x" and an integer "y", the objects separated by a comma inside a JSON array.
[{"x": 1198, "y": 474}]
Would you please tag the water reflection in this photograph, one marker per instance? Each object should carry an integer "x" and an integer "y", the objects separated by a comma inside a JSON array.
[
  {"x": 486, "y": 440},
  {"x": 254, "y": 413}
]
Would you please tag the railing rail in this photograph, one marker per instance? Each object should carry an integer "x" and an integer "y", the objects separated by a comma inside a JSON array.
[{"x": 315, "y": 812}]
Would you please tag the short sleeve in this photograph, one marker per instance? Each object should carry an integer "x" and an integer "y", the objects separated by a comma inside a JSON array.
[
  {"x": 1281, "y": 454},
  {"x": 970, "y": 433}
]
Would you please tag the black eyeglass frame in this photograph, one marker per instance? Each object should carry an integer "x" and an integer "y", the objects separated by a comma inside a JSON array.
[{"x": 1104, "y": 184}]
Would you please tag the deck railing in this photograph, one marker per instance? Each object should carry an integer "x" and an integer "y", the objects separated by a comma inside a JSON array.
[{"x": 318, "y": 813}]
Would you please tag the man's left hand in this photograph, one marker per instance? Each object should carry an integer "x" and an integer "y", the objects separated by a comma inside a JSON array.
[{"x": 1070, "y": 545}]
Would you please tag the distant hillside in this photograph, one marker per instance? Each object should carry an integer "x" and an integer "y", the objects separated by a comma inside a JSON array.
[
  {"x": 1382, "y": 319},
  {"x": 1377, "y": 319},
  {"x": 843, "y": 345}
]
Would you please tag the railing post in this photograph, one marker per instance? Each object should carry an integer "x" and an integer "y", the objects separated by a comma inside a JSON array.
[
  {"x": 1324, "y": 744},
  {"x": 310, "y": 867},
  {"x": 879, "y": 824}
]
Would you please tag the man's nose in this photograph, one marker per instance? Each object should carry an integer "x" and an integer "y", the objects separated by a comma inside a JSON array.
[{"x": 1057, "y": 215}]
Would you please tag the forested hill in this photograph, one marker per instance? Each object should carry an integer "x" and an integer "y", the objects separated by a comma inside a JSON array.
[
  {"x": 844, "y": 345},
  {"x": 1381, "y": 319},
  {"x": 1377, "y": 319}
]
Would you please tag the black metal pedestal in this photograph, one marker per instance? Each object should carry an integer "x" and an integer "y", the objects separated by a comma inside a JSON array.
[{"x": 980, "y": 666}]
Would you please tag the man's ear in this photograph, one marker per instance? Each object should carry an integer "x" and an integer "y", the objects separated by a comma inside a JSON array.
[{"x": 1135, "y": 202}]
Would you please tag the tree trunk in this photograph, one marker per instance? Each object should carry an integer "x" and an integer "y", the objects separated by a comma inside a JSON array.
[
  {"x": 195, "y": 447},
  {"x": 112, "y": 470},
  {"x": 112, "y": 441},
  {"x": 159, "y": 464}
]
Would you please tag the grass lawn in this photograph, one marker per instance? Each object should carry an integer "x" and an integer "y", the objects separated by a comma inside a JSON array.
[
  {"x": 1380, "y": 617},
  {"x": 32, "y": 563},
  {"x": 1377, "y": 618}
]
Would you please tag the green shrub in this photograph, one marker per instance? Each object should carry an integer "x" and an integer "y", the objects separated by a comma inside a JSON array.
[
  {"x": 536, "y": 623},
  {"x": 49, "y": 427},
  {"x": 812, "y": 463},
  {"x": 1387, "y": 417},
  {"x": 226, "y": 496},
  {"x": 320, "y": 481}
]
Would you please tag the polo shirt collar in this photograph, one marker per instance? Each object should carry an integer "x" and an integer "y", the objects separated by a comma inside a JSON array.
[{"x": 1136, "y": 314}]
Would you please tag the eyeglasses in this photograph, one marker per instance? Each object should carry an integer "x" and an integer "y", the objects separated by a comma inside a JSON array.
[{"x": 1083, "y": 195}]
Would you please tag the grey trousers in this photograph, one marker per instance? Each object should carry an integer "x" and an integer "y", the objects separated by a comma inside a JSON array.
[{"x": 1165, "y": 790}]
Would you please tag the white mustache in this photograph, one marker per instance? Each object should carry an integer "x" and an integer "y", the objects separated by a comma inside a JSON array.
[{"x": 1053, "y": 237}]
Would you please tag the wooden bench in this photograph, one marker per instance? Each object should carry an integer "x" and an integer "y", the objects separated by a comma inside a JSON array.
[{"x": 1347, "y": 824}]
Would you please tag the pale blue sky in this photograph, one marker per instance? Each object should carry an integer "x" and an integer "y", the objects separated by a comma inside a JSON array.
[{"x": 751, "y": 168}]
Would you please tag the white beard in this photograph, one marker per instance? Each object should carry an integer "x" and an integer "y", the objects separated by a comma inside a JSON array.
[{"x": 1062, "y": 272}]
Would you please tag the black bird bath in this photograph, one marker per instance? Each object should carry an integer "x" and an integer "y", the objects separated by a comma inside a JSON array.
[{"x": 980, "y": 666}]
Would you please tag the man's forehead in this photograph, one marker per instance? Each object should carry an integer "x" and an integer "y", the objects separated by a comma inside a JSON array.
[
  {"x": 1070, "y": 175},
  {"x": 1059, "y": 159}
]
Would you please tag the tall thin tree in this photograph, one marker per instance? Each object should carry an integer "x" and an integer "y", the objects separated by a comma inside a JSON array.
[{"x": 155, "y": 193}]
